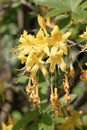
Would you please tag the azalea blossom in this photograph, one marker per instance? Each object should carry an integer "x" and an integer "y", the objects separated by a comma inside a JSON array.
[
  {"x": 44, "y": 52},
  {"x": 52, "y": 46}
]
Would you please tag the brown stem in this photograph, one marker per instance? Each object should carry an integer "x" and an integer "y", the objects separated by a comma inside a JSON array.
[{"x": 72, "y": 43}]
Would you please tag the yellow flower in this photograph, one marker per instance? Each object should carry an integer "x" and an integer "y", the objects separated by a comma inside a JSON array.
[
  {"x": 55, "y": 58},
  {"x": 34, "y": 61},
  {"x": 43, "y": 50},
  {"x": 25, "y": 47},
  {"x": 11, "y": 122},
  {"x": 44, "y": 71},
  {"x": 22, "y": 57},
  {"x": 7, "y": 127},
  {"x": 57, "y": 37},
  {"x": 55, "y": 49},
  {"x": 42, "y": 24},
  {"x": 56, "y": 34},
  {"x": 72, "y": 121},
  {"x": 84, "y": 35},
  {"x": 52, "y": 47},
  {"x": 25, "y": 39}
]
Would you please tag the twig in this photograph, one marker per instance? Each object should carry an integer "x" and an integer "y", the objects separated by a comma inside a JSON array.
[
  {"x": 24, "y": 2},
  {"x": 72, "y": 43}
]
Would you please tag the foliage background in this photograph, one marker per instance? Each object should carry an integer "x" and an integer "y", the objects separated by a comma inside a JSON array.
[{"x": 15, "y": 16}]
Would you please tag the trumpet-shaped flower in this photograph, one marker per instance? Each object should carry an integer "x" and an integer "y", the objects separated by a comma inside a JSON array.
[{"x": 42, "y": 24}]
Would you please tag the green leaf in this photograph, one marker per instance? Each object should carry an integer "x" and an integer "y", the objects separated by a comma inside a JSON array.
[
  {"x": 52, "y": 3},
  {"x": 83, "y": 5},
  {"x": 41, "y": 77},
  {"x": 63, "y": 102},
  {"x": 69, "y": 5},
  {"x": 28, "y": 117},
  {"x": 48, "y": 109},
  {"x": 62, "y": 16},
  {"x": 79, "y": 14},
  {"x": 55, "y": 12},
  {"x": 16, "y": 4},
  {"x": 46, "y": 122},
  {"x": 59, "y": 120},
  {"x": 73, "y": 4},
  {"x": 64, "y": 22},
  {"x": 43, "y": 91},
  {"x": 43, "y": 87},
  {"x": 22, "y": 79},
  {"x": 35, "y": 125}
]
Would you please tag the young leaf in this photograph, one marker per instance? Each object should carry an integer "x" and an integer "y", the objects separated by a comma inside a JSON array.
[{"x": 22, "y": 79}]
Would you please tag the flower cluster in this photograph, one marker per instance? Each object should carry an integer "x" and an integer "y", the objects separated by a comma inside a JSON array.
[
  {"x": 34, "y": 49},
  {"x": 39, "y": 52}
]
